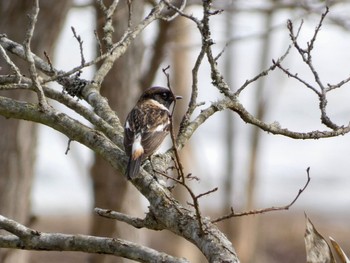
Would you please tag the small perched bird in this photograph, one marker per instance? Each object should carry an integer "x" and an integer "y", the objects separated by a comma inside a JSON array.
[{"x": 146, "y": 126}]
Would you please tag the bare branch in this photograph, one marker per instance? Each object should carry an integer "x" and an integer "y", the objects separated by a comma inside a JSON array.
[
  {"x": 207, "y": 192},
  {"x": 269, "y": 209},
  {"x": 80, "y": 42},
  {"x": 178, "y": 163},
  {"x": 29, "y": 239},
  {"x": 331, "y": 87},
  {"x": 29, "y": 57},
  {"x": 172, "y": 9},
  {"x": 296, "y": 76},
  {"x": 89, "y": 92},
  {"x": 68, "y": 146},
  {"x": 133, "y": 221},
  {"x": 305, "y": 53},
  {"x": 15, "y": 228},
  {"x": 108, "y": 27},
  {"x": 121, "y": 46},
  {"x": 72, "y": 128},
  {"x": 194, "y": 94},
  {"x": 149, "y": 221},
  {"x": 49, "y": 61},
  {"x": 11, "y": 64}
]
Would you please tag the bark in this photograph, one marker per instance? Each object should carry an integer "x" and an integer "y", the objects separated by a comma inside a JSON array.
[
  {"x": 26, "y": 238},
  {"x": 18, "y": 138}
]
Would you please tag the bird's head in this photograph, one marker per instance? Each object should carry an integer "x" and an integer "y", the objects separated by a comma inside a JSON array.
[{"x": 162, "y": 95}]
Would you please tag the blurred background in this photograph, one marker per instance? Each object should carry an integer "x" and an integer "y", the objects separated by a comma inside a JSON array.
[{"x": 57, "y": 192}]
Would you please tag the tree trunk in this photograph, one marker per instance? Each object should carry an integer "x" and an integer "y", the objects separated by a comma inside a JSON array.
[
  {"x": 18, "y": 138},
  {"x": 230, "y": 226},
  {"x": 250, "y": 232},
  {"x": 121, "y": 88}
]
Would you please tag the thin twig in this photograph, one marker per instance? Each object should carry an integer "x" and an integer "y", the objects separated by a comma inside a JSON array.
[
  {"x": 269, "y": 209},
  {"x": 99, "y": 44},
  {"x": 207, "y": 192},
  {"x": 68, "y": 146},
  {"x": 129, "y": 3},
  {"x": 178, "y": 163},
  {"x": 338, "y": 85},
  {"x": 80, "y": 42},
  {"x": 33, "y": 17},
  {"x": 177, "y": 10},
  {"x": 192, "y": 105},
  {"x": 172, "y": 132},
  {"x": 12, "y": 65},
  {"x": 306, "y": 55},
  {"x": 295, "y": 76},
  {"x": 49, "y": 61}
]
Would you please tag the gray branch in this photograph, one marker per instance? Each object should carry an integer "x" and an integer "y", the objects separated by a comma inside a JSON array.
[{"x": 29, "y": 239}]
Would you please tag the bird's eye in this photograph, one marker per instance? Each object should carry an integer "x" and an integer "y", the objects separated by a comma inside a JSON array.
[{"x": 164, "y": 95}]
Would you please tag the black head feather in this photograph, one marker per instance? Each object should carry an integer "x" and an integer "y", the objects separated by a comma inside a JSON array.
[{"x": 162, "y": 95}]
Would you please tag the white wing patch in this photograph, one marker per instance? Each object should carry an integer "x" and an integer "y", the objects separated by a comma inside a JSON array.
[
  {"x": 137, "y": 149},
  {"x": 160, "y": 105},
  {"x": 161, "y": 127}
]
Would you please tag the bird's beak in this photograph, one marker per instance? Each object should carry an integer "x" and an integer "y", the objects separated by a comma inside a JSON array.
[{"x": 178, "y": 97}]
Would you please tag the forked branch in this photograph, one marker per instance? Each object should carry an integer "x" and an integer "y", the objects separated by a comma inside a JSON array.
[{"x": 269, "y": 209}]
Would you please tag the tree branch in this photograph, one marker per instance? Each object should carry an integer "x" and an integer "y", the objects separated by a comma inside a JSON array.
[
  {"x": 12, "y": 65},
  {"x": 29, "y": 56},
  {"x": 148, "y": 222},
  {"x": 72, "y": 128},
  {"x": 269, "y": 209},
  {"x": 29, "y": 239}
]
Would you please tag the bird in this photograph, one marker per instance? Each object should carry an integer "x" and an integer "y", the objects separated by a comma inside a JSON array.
[{"x": 146, "y": 126}]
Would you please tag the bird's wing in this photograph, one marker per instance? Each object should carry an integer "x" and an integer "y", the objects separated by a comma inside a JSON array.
[
  {"x": 158, "y": 128},
  {"x": 129, "y": 135},
  {"x": 151, "y": 125}
]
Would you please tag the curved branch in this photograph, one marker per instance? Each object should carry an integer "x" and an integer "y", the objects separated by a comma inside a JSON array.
[
  {"x": 29, "y": 239},
  {"x": 70, "y": 127},
  {"x": 269, "y": 209},
  {"x": 102, "y": 125},
  {"x": 276, "y": 129},
  {"x": 121, "y": 47},
  {"x": 68, "y": 101},
  {"x": 148, "y": 222}
]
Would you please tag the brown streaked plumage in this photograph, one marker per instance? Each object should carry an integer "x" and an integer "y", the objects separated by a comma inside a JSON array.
[{"x": 146, "y": 126}]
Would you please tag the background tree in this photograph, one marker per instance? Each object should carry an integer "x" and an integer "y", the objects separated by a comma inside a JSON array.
[
  {"x": 18, "y": 138},
  {"x": 121, "y": 87}
]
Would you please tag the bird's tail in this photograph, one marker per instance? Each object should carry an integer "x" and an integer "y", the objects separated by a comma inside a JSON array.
[{"x": 133, "y": 168}]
